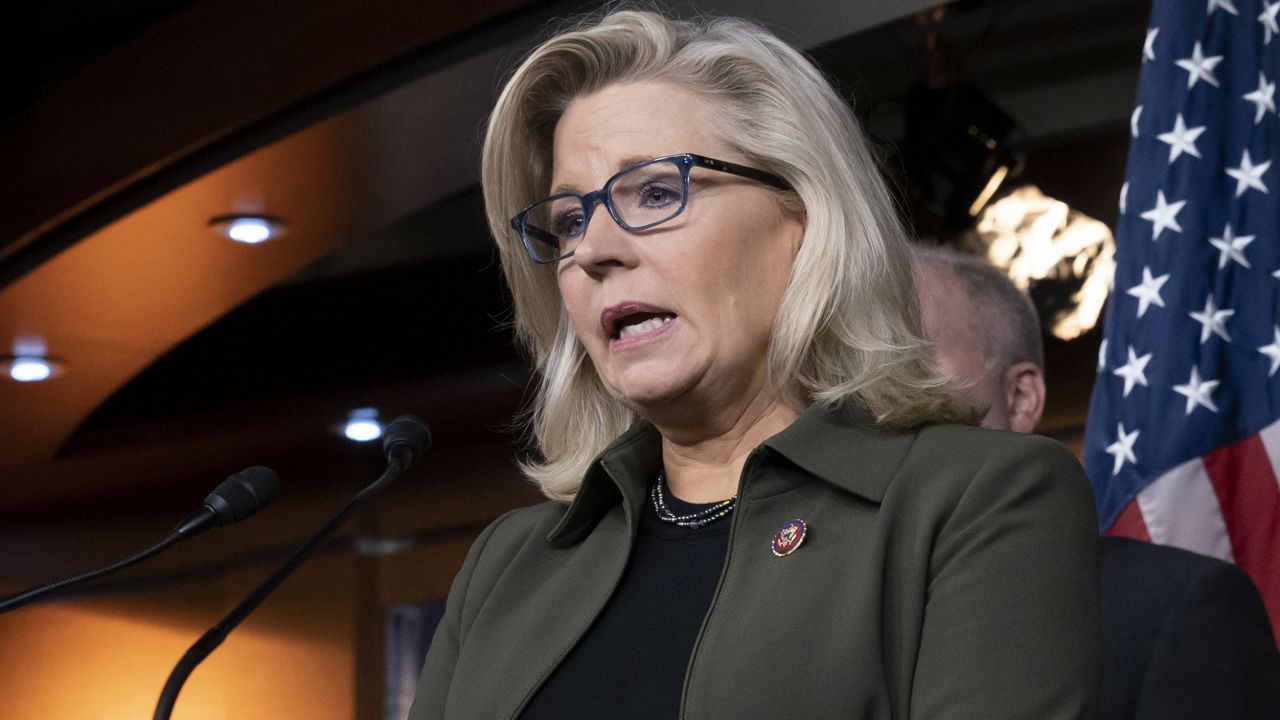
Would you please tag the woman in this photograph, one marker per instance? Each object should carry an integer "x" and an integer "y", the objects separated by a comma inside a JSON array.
[{"x": 767, "y": 516}]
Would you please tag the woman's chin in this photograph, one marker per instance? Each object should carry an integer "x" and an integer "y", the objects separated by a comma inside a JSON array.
[{"x": 644, "y": 395}]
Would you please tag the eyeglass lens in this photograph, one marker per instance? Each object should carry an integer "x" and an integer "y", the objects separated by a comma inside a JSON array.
[{"x": 640, "y": 197}]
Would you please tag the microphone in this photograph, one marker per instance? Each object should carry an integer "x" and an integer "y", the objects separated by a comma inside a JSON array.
[
  {"x": 238, "y": 497},
  {"x": 404, "y": 443}
]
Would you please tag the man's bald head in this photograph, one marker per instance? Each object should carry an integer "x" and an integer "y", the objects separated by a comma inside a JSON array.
[{"x": 985, "y": 332}]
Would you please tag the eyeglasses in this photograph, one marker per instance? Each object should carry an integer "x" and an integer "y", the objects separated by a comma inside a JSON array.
[{"x": 637, "y": 198}]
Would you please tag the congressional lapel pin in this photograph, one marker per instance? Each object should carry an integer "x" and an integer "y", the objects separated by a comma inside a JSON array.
[{"x": 789, "y": 537}]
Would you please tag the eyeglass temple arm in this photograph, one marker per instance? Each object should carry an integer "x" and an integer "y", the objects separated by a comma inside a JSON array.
[
  {"x": 518, "y": 224},
  {"x": 742, "y": 171}
]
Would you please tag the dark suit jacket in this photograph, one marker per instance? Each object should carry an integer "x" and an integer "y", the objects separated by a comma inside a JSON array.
[{"x": 1184, "y": 636}]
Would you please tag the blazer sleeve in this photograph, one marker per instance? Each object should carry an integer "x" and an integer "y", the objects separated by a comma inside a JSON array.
[
  {"x": 431, "y": 698},
  {"x": 1215, "y": 655},
  {"x": 1011, "y": 621}
]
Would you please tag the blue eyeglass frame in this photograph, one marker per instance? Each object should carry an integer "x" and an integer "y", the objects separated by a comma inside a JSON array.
[{"x": 685, "y": 161}]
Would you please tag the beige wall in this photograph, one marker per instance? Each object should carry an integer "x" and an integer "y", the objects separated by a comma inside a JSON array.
[{"x": 108, "y": 659}]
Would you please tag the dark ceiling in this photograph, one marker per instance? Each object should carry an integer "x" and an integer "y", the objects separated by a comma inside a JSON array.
[{"x": 49, "y": 41}]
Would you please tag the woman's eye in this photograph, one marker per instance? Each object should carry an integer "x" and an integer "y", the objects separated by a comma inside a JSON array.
[
  {"x": 567, "y": 225},
  {"x": 659, "y": 195}
]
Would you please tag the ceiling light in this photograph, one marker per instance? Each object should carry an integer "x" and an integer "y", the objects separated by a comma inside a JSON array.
[
  {"x": 248, "y": 229},
  {"x": 362, "y": 425},
  {"x": 30, "y": 368}
]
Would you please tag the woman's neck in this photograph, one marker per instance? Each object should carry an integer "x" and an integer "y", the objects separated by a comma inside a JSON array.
[{"x": 704, "y": 465}]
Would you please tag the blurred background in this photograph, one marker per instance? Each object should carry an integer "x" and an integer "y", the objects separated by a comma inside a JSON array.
[{"x": 235, "y": 233}]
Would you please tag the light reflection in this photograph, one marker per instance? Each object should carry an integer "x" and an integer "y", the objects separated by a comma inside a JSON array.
[{"x": 1035, "y": 238}]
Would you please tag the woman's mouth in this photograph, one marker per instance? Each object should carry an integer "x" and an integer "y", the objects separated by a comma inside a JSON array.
[
  {"x": 643, "y": 330},
  {"x": 644, "y": 326},
  {"x": 632, "y": 323}
]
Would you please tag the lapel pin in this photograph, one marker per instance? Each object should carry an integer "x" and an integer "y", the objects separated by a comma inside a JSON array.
[{"x": 789, "y": 537}]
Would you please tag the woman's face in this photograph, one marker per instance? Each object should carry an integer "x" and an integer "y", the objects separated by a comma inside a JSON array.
[{"x": 677, "y": 317}]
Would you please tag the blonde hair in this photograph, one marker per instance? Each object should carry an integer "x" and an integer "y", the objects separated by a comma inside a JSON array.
[{"x": 848, "y": 327}]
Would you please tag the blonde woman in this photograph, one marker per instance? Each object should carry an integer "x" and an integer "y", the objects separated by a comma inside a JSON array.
[{"x": 764, "y": 501}]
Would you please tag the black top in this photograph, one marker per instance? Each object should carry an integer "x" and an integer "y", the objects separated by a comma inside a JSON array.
[{"x": 631, "y": 663}]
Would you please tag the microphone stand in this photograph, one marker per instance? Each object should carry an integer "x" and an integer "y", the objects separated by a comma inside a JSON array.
[
  {"x": 215, "y": 635},
  {"x": 16, "y": 601}
]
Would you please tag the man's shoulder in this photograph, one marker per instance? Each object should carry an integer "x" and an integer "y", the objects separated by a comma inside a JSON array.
[
  {"x": 1185, "y": 635},
  {"x": 1172, "y": 570}
]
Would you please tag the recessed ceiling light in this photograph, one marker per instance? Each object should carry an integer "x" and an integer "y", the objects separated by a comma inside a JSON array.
[
  {"x": 248, "y": 229},
  {"x": 30, "y": 368},
  {"x": 362, "y": 425}
]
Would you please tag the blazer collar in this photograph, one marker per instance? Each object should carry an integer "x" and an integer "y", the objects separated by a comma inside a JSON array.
[
  {"x": 843, "y": 446},
  {"x": 623, "y": 472}
]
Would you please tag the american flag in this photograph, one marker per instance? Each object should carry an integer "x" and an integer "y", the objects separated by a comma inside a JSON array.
[{"x": 1183, "y": 439}]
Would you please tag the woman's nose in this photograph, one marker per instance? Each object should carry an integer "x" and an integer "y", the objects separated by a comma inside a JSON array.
[{"x": 604, "y": 244}]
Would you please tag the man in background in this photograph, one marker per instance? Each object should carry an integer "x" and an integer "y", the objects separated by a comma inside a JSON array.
[{"x": 1184, "y": 635}]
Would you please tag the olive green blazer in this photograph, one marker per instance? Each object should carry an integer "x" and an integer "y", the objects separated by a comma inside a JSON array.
[{"x": 948, "y": 572}]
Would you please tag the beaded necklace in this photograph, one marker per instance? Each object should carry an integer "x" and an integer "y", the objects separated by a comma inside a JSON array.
[{"x": 695, "y": 520}]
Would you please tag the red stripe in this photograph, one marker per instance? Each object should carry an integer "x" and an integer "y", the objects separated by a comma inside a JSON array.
[
  {"x": 1250, "y": 500},
  {"x": 1130, "y": 524}
]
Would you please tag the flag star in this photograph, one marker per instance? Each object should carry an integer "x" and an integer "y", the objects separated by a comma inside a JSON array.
[
  {"x": 1133, "y": 121},
  {"x": 1273, "y": 350},
  {"x": 1122, "y": 449},
  {"x": 1133, "y": 371},
  {"x": 1164, "y": 215},
  {"x": 1149, "y": 47},
  {"x": 1102, "y": 355},
  {"x": 1275, "y": 274},
  {"x": 1231, "y": 247},
  {"x": 1181, "y": 139},
  {"x": 1124, "y": 196},
  {"x": 1197, "y": 391},
  {"x": 1248, "y": 175},
  {"x": 1200, "y": 67},
  {"x": 1148, "y": 291},
  {"x": 1264, "y": 98},
  {"x": 1224, "y": 4},
  {"x": 1212, "y": 320},
  {"x": 1268, "y": 20}
]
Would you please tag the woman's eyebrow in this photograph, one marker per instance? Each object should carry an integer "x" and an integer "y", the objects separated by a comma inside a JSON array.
[
  {"x": 623, "y": 164},
  {"x": 627, "y": 162}
]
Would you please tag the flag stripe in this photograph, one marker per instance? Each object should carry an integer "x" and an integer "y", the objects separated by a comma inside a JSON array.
[
  {"x": 1271, "y": 441},
  {"x": 1130, "y": 524},
  {"x": 1245, "y": 484},
  {"x": 1181, "y": 509}
]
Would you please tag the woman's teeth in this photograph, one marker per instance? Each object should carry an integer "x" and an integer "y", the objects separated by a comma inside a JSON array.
[{"x": 643, "y": 327}]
